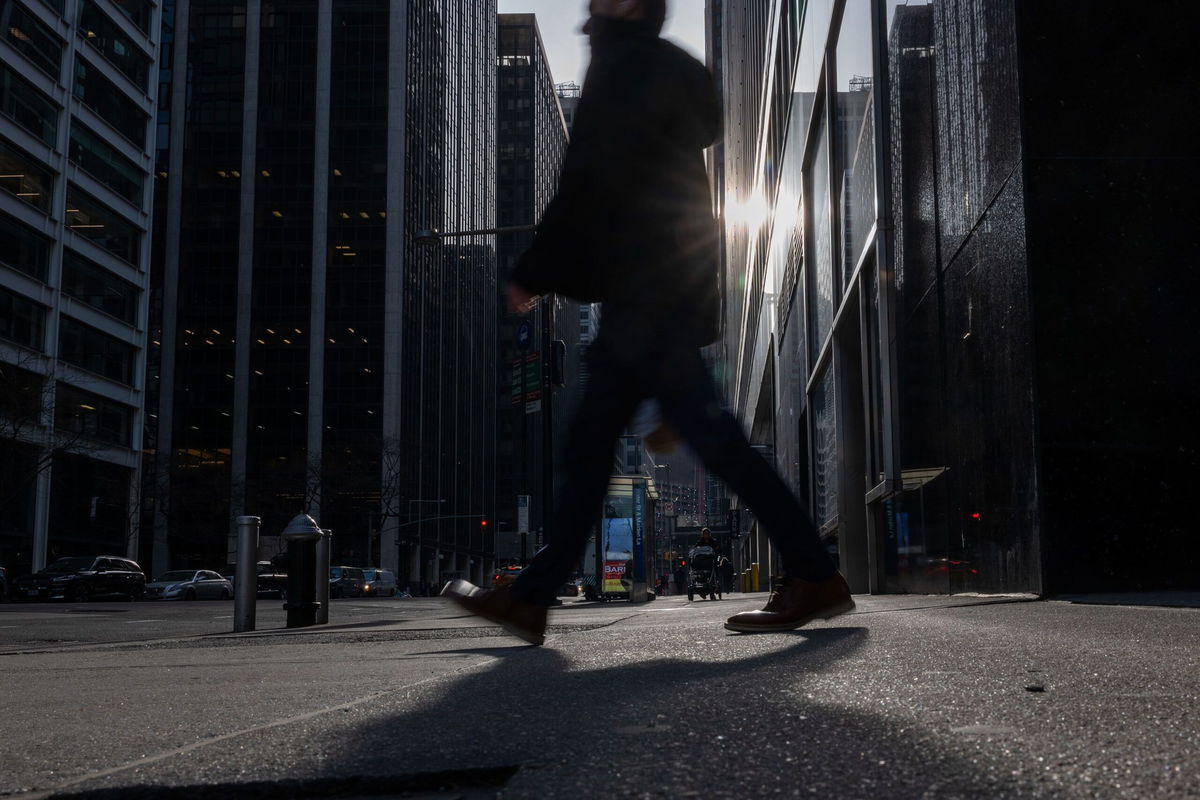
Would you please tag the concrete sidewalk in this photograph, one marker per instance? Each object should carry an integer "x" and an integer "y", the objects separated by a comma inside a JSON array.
[{"x": 908, "y": 697}]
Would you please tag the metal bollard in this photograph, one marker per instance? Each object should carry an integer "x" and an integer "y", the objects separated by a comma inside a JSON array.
[
  {"x": 302, "y": 534},
  {"x": 322, "y": 587},
  {"x": 245, "y": 590}
]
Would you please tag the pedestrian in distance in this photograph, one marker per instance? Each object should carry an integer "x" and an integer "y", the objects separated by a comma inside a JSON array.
[{"x": 631, "y": 226}]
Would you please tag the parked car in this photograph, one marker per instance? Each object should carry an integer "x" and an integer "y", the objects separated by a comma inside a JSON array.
[
  {"x": 380, "y": 582},
  {"x": 271, "y": 580},
  {"x": 189, "y": 584},
  {"x": 347, "y": 582},
  {"x": 82, "y": 578}
]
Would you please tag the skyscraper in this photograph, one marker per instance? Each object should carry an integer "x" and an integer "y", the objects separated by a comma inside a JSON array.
[
  {"x": 316, "y": 357},
  {"x": 532, "y": 138},
  {"x": 75, "y": 173}
]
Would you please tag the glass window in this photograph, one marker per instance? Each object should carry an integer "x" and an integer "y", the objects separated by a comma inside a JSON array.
[
  {"x": 99, "y": 288},
  {"x": 92, "y": 416},
  {"x": 102, "y": 162},
  {"x": 23, "y": 248},
  {"x": 21, "y": 175},
  {"x": 821, "y": 248},
  {"x": 114, "y": 45},
  {"x": 21, "y": 320},
  {"x": 87, "y": 347},
  {"x": 31, "y": 38},
  {"x": 102, "y": 96},
  {"x": 856, "y": 131},
  {"x": 136, "y": 10},
  {"x": 825, "y": 455},
  {"x": 87, "y": 217},
  {"x": 28, "y": 107}
]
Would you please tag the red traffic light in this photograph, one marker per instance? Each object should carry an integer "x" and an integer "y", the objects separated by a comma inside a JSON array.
[{"x": 483, "y": 523}]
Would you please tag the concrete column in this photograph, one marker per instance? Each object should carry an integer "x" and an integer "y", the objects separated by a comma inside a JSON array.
[
  {"x": 393, "y": 314},
  {"x": 245, "y": 278},
  {"x": 165, "y": 446},
  {"x": 320, "y": 258},
  {"x": 41, "y": 512}
]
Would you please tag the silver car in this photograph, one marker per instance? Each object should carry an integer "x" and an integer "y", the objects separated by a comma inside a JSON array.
[{"x": 189, "y": 584}]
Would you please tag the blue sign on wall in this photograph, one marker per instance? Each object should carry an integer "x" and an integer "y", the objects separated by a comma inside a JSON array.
[{"x": 524, "y": 335}]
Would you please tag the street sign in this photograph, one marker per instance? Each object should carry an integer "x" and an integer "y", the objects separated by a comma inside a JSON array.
[
  {"x": 524, "y": 335},
  {"x": 522, "y": 513}
]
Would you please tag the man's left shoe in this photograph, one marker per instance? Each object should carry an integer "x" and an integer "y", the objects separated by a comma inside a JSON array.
[
  {"x": 524, "y": 620},
  {"x": 794, "y": 603}
]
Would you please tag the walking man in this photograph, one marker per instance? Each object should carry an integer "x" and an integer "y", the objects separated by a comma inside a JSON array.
[{"x": 631, "y": 225}]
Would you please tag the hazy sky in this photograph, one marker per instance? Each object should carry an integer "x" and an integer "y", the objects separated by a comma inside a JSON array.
[{"x": 560, "y": 20}]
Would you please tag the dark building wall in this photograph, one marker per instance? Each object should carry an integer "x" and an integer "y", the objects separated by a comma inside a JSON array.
[
  {"x": 531, "y": 141},
  {"x": 1110, "y": 179},
  {"x": 440, "y": 462}
]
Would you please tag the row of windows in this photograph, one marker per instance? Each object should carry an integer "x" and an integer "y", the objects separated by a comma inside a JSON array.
[
  {"x": 95, "y": 351},
  {"x": 31, "y": 38},
  {"x": 102, "y": 96},
  {"x": 109, "y": 39},
  {"x": 93, "y": 416},
  {"x": 22, "y": 176},
  {"x": 91, "y": 153},
  {"x": 28, "y": 107},
  {"x": 24, "y": 321}
]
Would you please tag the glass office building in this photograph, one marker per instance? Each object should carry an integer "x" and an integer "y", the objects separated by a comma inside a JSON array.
[
  {"x": 533, "y": 405},
  {"x": 944, "y": 317},
  {"x": 76, "y": 102},
  {"x": 315, "y": 356}
]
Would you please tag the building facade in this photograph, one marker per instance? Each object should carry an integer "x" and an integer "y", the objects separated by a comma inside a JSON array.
[
  {"x": 76, "y": 101},
  {"x": 925, "y": 260},
  {"x": 539, "y": 352},
  {"x": 316, "y": 357}
]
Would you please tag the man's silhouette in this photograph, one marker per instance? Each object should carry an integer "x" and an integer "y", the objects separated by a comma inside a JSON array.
[{"x": 631, "y": 225}]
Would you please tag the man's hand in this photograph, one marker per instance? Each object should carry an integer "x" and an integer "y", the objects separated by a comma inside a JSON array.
[{"x": 519, "y": 300}]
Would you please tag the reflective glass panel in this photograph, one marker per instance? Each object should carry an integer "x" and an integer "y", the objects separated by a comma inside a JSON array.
[
  {"x": 28, "y": 107},
  {"x": 87, "y": 217},
  {"x": 86, "y": 347},
  {"x": 21, "y": 320},
  {"x": 93, "y": 154},
  {"x": 102, "y": 96},
  {"x": 99, "y": 288},
  {"x": 137, "y": 10},
  {"x": 31, "y": 38},
  {"x": 92, "y": 416},
  {"x": 821, "y": 247},
  {"x": 856, "y": 131},
  {"x": 825, "y": 455},
  {"x": 114, "y": 45},
  {"x": 21, "y": 175},
  {"x": 23, "y": 248}
]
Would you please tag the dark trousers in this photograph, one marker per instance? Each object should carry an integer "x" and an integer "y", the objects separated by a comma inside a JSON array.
[{"x": 640, "y": 354}]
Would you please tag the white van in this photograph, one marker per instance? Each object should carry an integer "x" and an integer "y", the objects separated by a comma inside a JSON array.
[{"x": 380, "y": 582}]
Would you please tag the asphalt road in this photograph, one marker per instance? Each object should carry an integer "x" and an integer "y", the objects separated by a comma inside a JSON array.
[{"x": 910, "y": 697}]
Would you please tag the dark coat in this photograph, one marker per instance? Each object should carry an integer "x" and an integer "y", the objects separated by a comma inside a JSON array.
[{"x": 632, "y": 220}]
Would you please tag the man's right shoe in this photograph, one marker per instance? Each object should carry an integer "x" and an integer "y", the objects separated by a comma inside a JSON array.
[
  {"x": 794, "y": 603},
  {"x": 524, "y": 620}
]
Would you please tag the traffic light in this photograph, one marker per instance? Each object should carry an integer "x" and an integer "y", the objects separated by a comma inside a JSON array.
[{"x": 483, "y": 523}]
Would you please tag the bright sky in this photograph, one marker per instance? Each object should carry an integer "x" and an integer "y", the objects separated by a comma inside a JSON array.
[{"x": 560, "y": 20}]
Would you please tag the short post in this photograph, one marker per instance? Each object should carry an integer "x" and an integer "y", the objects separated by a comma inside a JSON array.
[
  {"x": 302, "y": 534},
  {"x": 245, "y": 590},
  {"x": 322, "y": 587}
]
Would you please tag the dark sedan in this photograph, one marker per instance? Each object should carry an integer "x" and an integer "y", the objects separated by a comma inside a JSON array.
[{"x": 82, "y": 578}]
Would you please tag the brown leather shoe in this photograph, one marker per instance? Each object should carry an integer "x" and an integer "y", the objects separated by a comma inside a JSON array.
[
  {"x": 524, "y": 620},
  {"x": 795, "y": 603}
]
